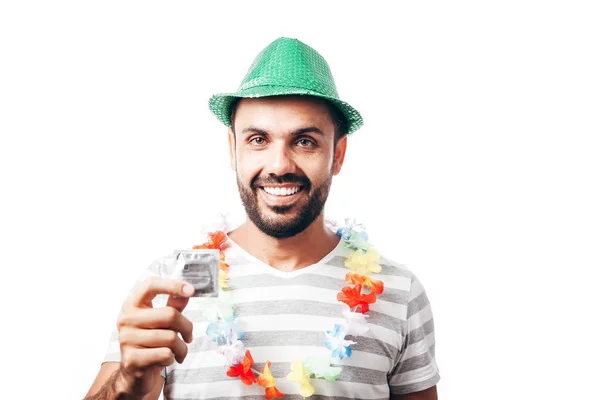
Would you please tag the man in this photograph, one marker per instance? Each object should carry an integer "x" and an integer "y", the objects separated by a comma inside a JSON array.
[{"x": 287, "y": 138}]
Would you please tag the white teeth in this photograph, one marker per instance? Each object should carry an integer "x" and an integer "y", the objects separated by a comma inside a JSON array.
[{"x": 279, "y": 191}]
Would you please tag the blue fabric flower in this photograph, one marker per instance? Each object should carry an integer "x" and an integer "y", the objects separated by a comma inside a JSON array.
[
  {"x": 221, "y": 330},
  {"x": 350, "y": 226},
  {"x": 340, "y": 347}
]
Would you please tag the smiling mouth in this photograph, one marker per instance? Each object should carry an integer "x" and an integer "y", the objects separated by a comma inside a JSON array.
[{"x": 282, "y": 191}]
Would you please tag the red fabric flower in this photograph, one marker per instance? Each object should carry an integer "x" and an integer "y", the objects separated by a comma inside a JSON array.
[
  {"x": 215, "y": 241},
  {"x": 353, "y": 297},
  {"x": 243, "y": 370},
  {"x": 359, "y": 279}
]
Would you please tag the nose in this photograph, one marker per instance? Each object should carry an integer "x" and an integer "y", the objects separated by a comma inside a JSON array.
[{"x": 280, "y": 160}]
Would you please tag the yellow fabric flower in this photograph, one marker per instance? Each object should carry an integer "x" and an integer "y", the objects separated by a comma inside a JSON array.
[
  {"x": 300, "y": 375},
  {"x": 364, "y": 262},
  {"x": 222, "y": 279}
]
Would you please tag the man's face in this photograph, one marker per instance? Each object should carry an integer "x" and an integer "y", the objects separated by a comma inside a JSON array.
[{"x": 284, "y": 158}]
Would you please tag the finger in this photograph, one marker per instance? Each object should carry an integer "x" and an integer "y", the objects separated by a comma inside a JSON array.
[
  {"x": 146, "y": 291},
  {"x": 157, "y": 318},
  {"x": 155, "y": 338},
  {"x": 178, "y": 303},
  {"x": 135, "y": 359}
]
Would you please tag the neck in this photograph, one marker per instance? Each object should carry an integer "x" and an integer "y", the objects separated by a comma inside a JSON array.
[{"x": 289, "y": 254}]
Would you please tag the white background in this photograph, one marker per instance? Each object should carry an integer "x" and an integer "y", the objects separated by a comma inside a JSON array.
[{"x": 477, "y": 167}]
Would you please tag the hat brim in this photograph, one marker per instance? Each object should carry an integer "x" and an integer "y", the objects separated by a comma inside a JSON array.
[{"x": 220, "y": 104}]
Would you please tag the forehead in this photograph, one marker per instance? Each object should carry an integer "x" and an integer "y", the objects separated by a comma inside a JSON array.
[{"x": 283, "y": 113}]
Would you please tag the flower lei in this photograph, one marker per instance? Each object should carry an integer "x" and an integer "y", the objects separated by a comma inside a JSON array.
[{"x": 362, "y": 262}]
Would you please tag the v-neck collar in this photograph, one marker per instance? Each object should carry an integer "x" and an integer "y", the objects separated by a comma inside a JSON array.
[{"x": 285, "y": 274}]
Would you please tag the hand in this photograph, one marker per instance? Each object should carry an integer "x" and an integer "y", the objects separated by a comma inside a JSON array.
[{"x": 149, "y": 336}]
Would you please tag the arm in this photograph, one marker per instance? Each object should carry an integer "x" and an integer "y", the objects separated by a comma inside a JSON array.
[
  {"x": 149, "y": 341},
  {"x": 427, "y": 394},
  {"x": 415, "y": 374},
  {"x": 108, "y": 386}
]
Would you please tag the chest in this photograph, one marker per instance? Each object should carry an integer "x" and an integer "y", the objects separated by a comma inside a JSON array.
[{"x": 283, "y": 321}]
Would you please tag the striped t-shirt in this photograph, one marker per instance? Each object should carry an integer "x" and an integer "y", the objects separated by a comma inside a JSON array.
[{"x": 284, "y": 316}]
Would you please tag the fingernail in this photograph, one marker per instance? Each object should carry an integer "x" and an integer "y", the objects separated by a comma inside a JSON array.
[{"x": 188, "y": 290}]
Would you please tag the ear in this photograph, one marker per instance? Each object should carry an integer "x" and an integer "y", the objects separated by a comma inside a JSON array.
[
  {"x": 231, "y": 138},
  {"x": 340, "y": 153}
]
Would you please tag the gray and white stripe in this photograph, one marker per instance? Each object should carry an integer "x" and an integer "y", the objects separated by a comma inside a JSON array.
[{"x": 284, "y": 317}]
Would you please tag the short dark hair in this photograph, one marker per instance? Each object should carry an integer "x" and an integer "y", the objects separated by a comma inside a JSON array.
[{"x": 340, "y": 123}]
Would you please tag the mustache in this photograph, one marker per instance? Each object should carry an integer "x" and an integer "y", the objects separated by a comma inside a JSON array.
[{"x": 273, "y": 179}]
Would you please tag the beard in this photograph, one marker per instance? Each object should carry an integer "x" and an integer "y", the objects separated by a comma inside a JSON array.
[{"x": 285, "y": 223}]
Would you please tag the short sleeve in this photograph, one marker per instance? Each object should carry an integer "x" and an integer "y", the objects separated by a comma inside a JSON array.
[
  {"x": 113, "y": 352},
  {"x": 416, "y": 369}
]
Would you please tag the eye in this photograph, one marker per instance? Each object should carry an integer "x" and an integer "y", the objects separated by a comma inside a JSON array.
[
  {"x": 257, "y": 141},
  {"x": 306, "y": 143}
]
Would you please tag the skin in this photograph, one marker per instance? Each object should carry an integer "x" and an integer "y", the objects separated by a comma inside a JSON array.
[
  {"x": 427, "y": 394},
  {"x": 280, "y": 151},
  {"x": 266, "y": 143},
  {"x": 273, "y": 138},
  {"x": 149, "y": 342}
]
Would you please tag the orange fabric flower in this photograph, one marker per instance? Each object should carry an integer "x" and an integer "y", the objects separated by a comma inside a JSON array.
[
  {"x": 215, "y": 241},
  {"x": 266, "y": 380},
  {"x": 243, "y": 370},
  {"x": 272, "y": 392},
  {"x": 222, "y": 264},
  {"x": 353, "y": 297},
  {"x": 359, "y": 279}
]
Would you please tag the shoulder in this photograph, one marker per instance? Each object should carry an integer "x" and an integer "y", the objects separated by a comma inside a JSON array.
[
  {"x": 400, "y": 282},
  {"x": 391, "y": 270},
  {"x": 412, "y": 284},
  {"x": 394, "y": 268}
]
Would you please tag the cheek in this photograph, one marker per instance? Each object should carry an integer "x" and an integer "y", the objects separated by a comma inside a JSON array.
[
  {"x": 246, "y": 169},
  {"x": 318, "y": 172}
]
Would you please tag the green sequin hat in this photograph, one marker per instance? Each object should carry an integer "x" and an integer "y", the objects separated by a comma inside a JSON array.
[{"x": 286, "y": 67}]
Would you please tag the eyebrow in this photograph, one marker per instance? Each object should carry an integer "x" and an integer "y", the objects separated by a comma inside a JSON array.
[
  {"x": 310, "y": 129},
  {"x": 298, "y": 132}
]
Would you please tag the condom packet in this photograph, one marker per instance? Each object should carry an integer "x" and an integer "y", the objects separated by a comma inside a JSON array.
[{"x": 199, "y": 268}]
